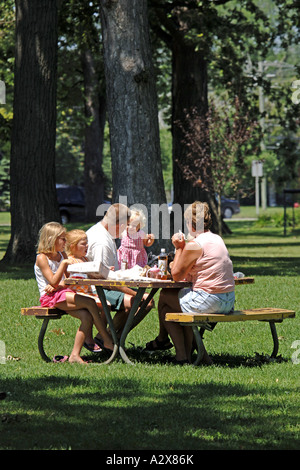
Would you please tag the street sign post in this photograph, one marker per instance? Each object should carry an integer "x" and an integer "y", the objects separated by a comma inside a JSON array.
[{"x": 257, "y": 172}]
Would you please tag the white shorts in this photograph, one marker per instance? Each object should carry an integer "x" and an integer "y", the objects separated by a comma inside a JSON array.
[{"x": 202, "y": 302}]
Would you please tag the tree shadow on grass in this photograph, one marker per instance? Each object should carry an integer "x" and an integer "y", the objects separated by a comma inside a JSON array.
[
  {"x": 16, "y": 272},
  {"x": 138, "y": 354},
  {"x": 251, "y": 228},
  {"x": 133, "y": 413},
  {"x": 267, "y": 266}
]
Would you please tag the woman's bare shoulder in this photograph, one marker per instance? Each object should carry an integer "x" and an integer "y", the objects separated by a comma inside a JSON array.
[{"x": 193, "y": 245}]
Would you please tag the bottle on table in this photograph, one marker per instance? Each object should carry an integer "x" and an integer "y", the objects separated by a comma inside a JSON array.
[
  {"x": 124, "y": 264},
  {"x": 163, "y": 263}
]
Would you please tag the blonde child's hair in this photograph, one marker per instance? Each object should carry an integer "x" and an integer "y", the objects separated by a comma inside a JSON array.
[
  {"x": 137, "y": 214},
  {"x": 48, "y": 235},
  {"x": 73, "y": 237}
]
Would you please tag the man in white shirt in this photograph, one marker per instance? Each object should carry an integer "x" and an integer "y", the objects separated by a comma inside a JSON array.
[
  {"x": 102, "y": 248},
  {"x": 103, "y": 251}
]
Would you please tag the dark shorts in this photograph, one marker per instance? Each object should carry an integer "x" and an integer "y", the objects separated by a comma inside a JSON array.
[{"x": 115, "y": 298}]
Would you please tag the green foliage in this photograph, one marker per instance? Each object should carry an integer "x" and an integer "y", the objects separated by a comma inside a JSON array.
[
  {"x": 235, "y": 38},
  {"x": 6, "y": 75},
  {"x": 166, "y": 159},
  {"x": 276, "y": 219},
  {"x": 232, "y": 35},
  {"x": 69, "y": 154},
  {"x": 5, "y": 131},
  {"x": 4, "y": 184}
]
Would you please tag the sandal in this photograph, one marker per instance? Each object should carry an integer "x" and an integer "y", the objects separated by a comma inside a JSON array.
[
  {"x": 156, "y": 345},
  {"x": 60, "y": 358},
  {"x": 99, "y": 342},
  {"x": 95, "y": 348}
]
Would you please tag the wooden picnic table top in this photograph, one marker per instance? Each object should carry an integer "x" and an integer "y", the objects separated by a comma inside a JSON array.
[{"x": 147, "y": 282}]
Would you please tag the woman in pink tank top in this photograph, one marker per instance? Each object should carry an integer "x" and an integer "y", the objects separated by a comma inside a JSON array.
[{"x": 206, "y": 263}]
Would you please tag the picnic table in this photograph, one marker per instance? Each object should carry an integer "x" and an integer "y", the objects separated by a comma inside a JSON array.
[
  {"x": 51, "y": 313},
  {"x": 133, "y": 318}
]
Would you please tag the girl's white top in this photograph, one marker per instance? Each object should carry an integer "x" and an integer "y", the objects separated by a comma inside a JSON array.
[{"x": 40, "y": 279}]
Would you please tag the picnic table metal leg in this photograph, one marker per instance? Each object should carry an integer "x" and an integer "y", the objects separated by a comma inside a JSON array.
[
  {"x": 200, "y": 345},
  {"x": 131, "y": 322},
  {"x": 128, "y": 324},
  {"x": 41, "y": 340},
  {"x": 106, "y": 309},
  {"x": 142, "y": 310},
  {"x": 275, "y": 339}
]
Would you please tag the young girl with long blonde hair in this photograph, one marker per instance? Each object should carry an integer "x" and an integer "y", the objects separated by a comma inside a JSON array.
[{"x": 50, "y": 271}]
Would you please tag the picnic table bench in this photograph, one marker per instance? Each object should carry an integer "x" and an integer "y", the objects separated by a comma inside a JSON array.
[
  {"x": 45, "y": 314},
  {"x": 208, "y": 320}
]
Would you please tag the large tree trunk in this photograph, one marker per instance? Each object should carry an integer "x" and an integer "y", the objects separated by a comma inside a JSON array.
[
  {"x": 132, "y": 103},
  {"x": 33, "y": 194},
  {"x": 95, "y": 112},
  {"x": 189, "y": 92}
]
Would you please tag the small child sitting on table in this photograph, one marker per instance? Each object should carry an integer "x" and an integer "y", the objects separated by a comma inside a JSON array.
[{"x": 134, "y": 241}]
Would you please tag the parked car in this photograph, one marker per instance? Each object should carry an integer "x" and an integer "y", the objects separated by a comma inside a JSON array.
[
  {"x": 71, "y": 203},
  {"x": 229, "y": 207}
]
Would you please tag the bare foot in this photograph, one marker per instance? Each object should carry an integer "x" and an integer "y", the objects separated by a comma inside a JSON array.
[{"x": 76, "y": 359}]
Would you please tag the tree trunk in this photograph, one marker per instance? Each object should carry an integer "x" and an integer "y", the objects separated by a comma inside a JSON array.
[
  {"x": 33, "y": 194},
  {"x": 95, "y": 112},
  {"x": 189, "y": 92},
  {"x": 132, "y": 104}
]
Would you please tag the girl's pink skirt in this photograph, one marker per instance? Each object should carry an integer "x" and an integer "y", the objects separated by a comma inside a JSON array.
[{"x": 50, "y": 300}]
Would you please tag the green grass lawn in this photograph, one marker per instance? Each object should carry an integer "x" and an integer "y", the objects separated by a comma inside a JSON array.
[{"x": 244, "y": 401}]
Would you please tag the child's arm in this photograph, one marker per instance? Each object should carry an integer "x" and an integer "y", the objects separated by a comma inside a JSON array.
[
  {"x": 149, "y": 239},
  {"x": 49, "y": 289},
  {"x": 53, "y": 279}
]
